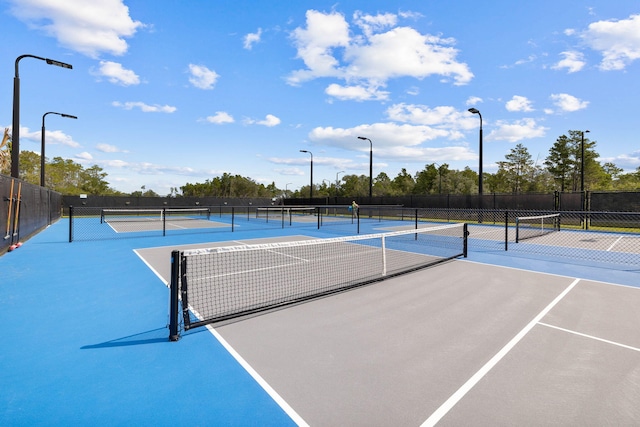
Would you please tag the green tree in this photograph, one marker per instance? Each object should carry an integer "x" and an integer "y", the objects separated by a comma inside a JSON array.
[
  {"x": 561, "y": 163},
  {"x": 382, "y": 185},
  {"x": 93, "y": 181},
  {"x": 355, "y": 185},
  {"x": 404, "y": 182},
  {"x": 517, "y": 168}
]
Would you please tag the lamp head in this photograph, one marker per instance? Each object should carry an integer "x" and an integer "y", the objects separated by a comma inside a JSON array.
[
  {"x": 474, "y": 110},
  {"x": 58, "y": 63},
  {"x": 362, "y": 138}
]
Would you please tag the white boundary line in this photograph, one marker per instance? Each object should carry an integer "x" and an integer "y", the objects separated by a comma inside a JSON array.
[
  {"x": 589, "y": 336},
  {"x": 471, "y": 382},
  {"x": 256, "y": 376}
]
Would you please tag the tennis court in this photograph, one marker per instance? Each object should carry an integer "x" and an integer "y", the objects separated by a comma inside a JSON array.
[{"x": 492, "y": 339}]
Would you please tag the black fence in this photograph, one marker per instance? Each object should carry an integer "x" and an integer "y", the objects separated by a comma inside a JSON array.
[
  {"x": 627, "y": 201},
  {"x": 155, "y": 202},
  {"x": 26, "y": 209}
]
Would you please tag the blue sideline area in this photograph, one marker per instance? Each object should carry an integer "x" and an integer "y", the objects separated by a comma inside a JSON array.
[
  {"x": 86, "y": 343},
  {"x": 85, "y": 339}
]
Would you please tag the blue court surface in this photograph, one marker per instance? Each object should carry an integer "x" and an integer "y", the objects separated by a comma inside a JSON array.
[{"x": 498, "y": 338}]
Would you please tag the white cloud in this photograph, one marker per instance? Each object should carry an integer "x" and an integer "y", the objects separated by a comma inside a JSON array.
[
  {"x": 116, "y": 74},
  {"x": 88, "y": 27},
  {"x": 516, "y": 131},
  {"x": 108, "y": 148},
  {"x": 51, "y": 137},
  {"x": 380, "y": 53},
  {"x": 374, "y": 23},
  {"x": 84, "y": 156},
  {"x": 269, "y": 121},
  {"x": 568, "y": 103},
  {"x": 145, "y": 107},
  {"x": 220, "y": 117},
  {"x": 356, "y": 93},
  {"x": 617, "y": 41},
  {"x": 519, "y": 103},
  {"x": 315, "y": 43},
  {"x": 202, "y": 77},
  {"x": 473, "y": 100},
  {"x": 445, "y": 118},
  {"x": 573, "y": 61},
  {"x": 399, "y": 142},
  {"x": 251, "y": 39}
]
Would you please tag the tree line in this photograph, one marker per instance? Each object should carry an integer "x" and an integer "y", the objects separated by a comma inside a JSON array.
[{"x": 571, "y": 165}]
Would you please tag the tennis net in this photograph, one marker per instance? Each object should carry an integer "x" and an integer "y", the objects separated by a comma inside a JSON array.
[
  {"x": 222, "y": 283},
  {"x": 534, "y": 226},
  {"x": 159, "y": 214}
]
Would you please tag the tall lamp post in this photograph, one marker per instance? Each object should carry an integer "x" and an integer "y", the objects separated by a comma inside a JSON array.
[
  {"x": 42, "y": 138},
  {"x": 286, "y": 189},
  {"x": 370, "y": 165},
  {"x": 15, "y": 129},
  {"x": 476, "y": 111},
  {"x": 582, "y": 162},
  {"x": 311, "y": 185}
]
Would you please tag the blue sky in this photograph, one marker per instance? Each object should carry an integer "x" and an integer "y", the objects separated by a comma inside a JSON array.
[{"x": 169, "y": 92}]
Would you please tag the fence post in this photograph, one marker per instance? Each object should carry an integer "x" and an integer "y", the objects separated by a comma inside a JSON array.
[
  {"x": 506, "y": 230},
  {"x": 70, "y": 223}
]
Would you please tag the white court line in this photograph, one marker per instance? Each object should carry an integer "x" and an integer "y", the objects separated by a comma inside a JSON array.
[
  {"x": 614, "y": 243},
  {"x": 256, "y": 376},
  {"x": 135, "y": 251},
  {"x": 590, "y": 337},
  {"x": 471, "y": 382}
]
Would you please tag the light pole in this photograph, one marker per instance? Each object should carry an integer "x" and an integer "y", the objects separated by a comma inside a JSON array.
[
  {"x": 311, "y": 185},
  {"x": 582, "y": 162},
  {"x": 69, "y": 116},
  {"x": 15, "y": 129},
  {"x": 286, "y": 189},
  {"x": 370, "y": 166},
  {"x": 337, "y": 182},
  {"x": 476, "y": 111}
]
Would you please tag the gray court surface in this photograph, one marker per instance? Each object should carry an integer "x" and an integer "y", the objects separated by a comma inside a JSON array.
[
  {"x": 461, "y": 343},
  {"x": 153, "y": 225}
]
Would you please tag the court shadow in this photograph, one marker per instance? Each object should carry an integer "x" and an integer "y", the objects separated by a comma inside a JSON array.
[{"x": 154, "y": 336}]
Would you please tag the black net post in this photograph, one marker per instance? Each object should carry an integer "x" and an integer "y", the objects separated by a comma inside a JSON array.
[
  {"x": 174, "y": 334},
  {"x": 506, "y": 230},
  {"x": 233, "y": 214},
  {"x": 70, "y": 223},
  {"x": 164, "y": 222},
  {"x": 465, "y": 237}
]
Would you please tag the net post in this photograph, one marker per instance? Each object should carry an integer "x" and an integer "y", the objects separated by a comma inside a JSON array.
[
  {"x": 517, "y": 229},
  {"x": 318, "y": 215},
  {"x": 233, "y": 215},
  {"x": 174, "y": 334},
  {"x": 164, "y": 222},
  {"x": 465, "y": 239},
  {"x": 506, "y": 230},
  {"x": 358, "y": 218},
  {"x": 70, "y": 223}
]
